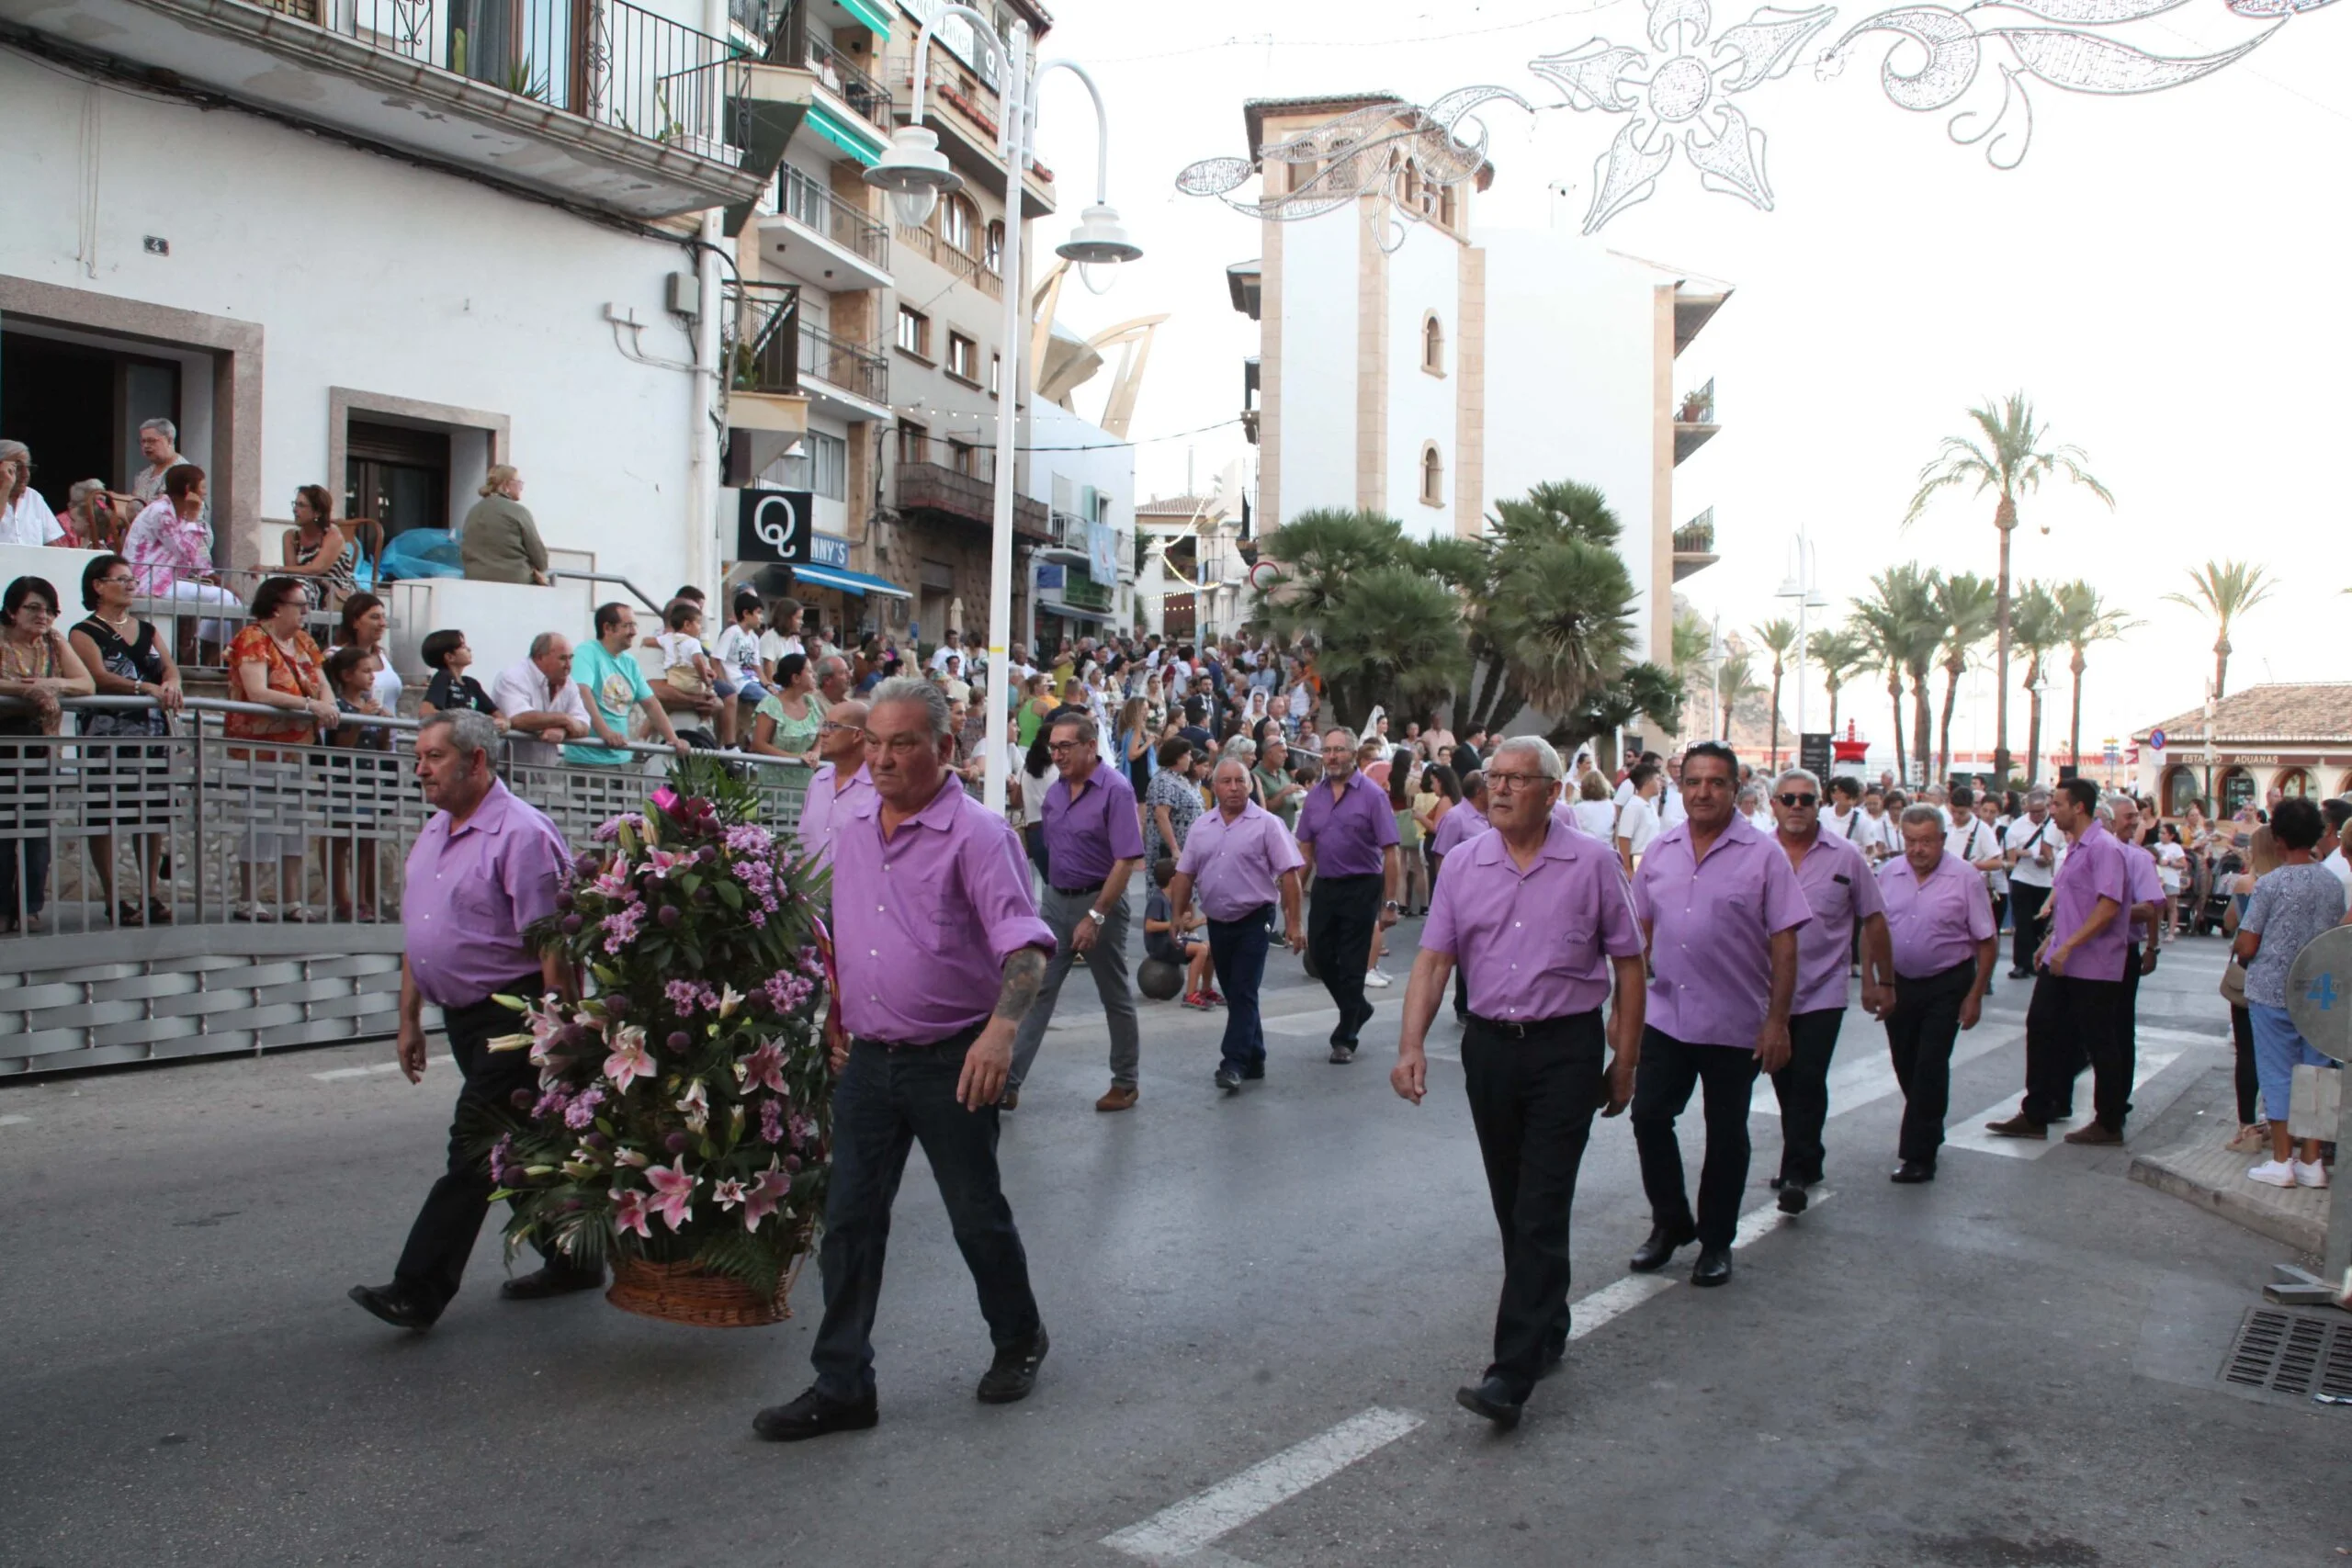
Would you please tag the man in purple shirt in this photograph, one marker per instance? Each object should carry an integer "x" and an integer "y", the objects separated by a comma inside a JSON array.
[
  {"x": 1839, "y": 888},
  {"x": 938, "y": 952},
  {"x": 1940, "y": 921},
  {"x": 1537, "y": 915},
  {"x": 1457, "y": 826},
  {"x": 2078, "y": 989},
  {"x": 840, "y": 782},
  {"x": 1720, "y": 910},
  {"x": 485, "y": 866},
  {"x": 1093, "y": 843},
  {"x": 1240, "y": 858},
  {"x": 1348, "y": 832},
  {"x": 2120, "y": 814}
]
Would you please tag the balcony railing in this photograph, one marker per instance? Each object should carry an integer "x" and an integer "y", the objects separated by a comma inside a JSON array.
[
  {"x": 1697, "y": 537},
  {"x": 798, "y": 47},
  {"x": 1081, "y": 590},
  {"x": 926, "y": 486},
  {"x": 808, "y": 203},
  {"x": 609, "y": 62},
  {"x": 762, "y": 325},
  {"x": 926, "y": 243},
  {"x": 837, "y": 362},
  {"x": 1067, "y": 530},
  {"x": 1697, "y": 407}
]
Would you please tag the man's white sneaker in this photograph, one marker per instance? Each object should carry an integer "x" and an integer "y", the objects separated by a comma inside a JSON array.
[
  {"x": 2273, "y": 1173},
  {"x": 2312, "y": 1175},
  {"x": 1375, "y": 978}
]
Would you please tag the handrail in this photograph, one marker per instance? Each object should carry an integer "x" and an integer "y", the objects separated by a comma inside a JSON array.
[{"x": 642, "y": 597}]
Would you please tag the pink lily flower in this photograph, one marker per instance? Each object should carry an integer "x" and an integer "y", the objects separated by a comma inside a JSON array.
[
  {"x": 695, "y": 1105},
  {"x": 661, "y": 863},
  {"x": 775, "y": 1186},
  {"x": 765, "y": 1067},
  {"x": 729, "y": 1193},
  {"x": 628, "y": 1060},
  {"x": 629, "y": 1212},
  {"x": 674, "y": 1194}
]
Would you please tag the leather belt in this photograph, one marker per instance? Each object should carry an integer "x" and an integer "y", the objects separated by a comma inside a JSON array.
[
  {"x": 1088, "y": 891},
  {"x": 1519, "y": 1029}
]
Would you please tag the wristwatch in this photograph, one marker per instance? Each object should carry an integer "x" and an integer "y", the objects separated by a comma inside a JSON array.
[
  {"x": 1095, "y": 915},
  {"x": 1392, "y": 904}
]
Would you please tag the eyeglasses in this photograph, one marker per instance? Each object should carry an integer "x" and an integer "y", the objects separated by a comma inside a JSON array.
[
  {"x": 34, "y": 607},
  {"x": 118, "y": 578},
  {"x": 1506, "y": 783},
  {"x": 1058, "y": 747},
  {"x": 1796, "y": 802},
  {"x": 833, "y": 726}
]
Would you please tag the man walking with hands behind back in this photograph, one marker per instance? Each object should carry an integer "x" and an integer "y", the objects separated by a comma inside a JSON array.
[
  {"x": 1348, "y": 832},
  {"x": 1241, "y": 859},
  {"x": 1720, "y": 910},
  {"x": 1537, "y": 915},
  {"x": 1940, "y": 919}
]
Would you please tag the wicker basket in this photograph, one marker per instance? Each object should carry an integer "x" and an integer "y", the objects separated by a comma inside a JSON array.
[{"x": 686, "y": 1293}]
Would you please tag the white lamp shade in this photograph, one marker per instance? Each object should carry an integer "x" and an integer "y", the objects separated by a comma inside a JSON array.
[
  {"x": 914, "y": 207},
  {"x": 1099, "y": 237},
  {"x": 915, "y": 165}
]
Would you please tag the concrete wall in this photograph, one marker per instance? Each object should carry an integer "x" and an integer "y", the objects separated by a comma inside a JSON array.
[
  {"x": 1319, "y": 345},
  {"x": 1424, "y": 276}
]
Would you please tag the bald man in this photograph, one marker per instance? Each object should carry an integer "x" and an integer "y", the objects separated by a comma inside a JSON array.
[{"x": 840, "y": 782}]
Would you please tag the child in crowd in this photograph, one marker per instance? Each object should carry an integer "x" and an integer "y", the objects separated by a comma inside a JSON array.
[
  {"x": 1187, "y": 948},
  {"x": 738, "y": 652},
  {"x": 689, "y": 669},
  {"x": 351, "y": 676}
]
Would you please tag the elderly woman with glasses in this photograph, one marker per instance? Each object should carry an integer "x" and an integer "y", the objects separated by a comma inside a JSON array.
[
  {"x": 39, "y": 668},
  {"x": 25, "y": 517},
  {"x": 127, "y": 658}
]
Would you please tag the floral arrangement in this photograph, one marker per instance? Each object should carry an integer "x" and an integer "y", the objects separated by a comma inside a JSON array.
[{"x": 684, "y": 1113}]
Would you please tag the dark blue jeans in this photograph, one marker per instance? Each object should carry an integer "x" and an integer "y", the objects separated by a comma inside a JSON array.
[
  {"x": 888, "y": 1099},
  {"x": 1238, "y": 951}
]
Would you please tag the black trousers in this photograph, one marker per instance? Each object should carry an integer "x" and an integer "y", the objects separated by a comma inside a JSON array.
[
  {"x": 2028, "y": 902},
  {"x": 885, "y": 1100},
  {"x": 1921, "y": 1034},
  {"x": 1669, "y": 1069},
  {"x": 1340, "y": 922},
  {"x": 1238, "y": 954},
  {"x": 2248, "y": 1081},
  {"x": 1532, "y": 1100},
  {"x": 2072, "y": 1020},
  {"x": 1802, "y": 1086},
  {"x": 2127, "y": 1018},
  {"x": 434, "y": 1262}
]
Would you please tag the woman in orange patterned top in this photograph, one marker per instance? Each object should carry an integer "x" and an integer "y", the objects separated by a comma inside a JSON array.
[{"x": 274, "y": 664}]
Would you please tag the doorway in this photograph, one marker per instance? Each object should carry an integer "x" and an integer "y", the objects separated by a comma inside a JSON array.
[
  {"x": 79, "y": 406},
  {"x": 397, "y": 475}
]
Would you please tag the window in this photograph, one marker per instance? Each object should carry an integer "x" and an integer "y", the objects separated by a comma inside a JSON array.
[
  {"x": 914, "y": 442},
  {"x": 994, "y": 255},
  {"x": 996, "y": 373},
  {"x": 914, "y": 333},
  {"x": 1446, "y": 205},
  {"x": 1432, "y": 475},
  {"x": 1433, "y": 343},
  {"x": 963, "y": 358},
  {"x": 963, "y": 458},
  {"x": 959, "y": 218},
  {"x": 823, "y": 468}
]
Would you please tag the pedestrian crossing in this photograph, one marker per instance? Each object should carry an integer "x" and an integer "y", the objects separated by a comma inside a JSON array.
[{"x": 1968, "y": 1131}]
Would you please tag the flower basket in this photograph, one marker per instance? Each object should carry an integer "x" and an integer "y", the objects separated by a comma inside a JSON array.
[{"x": 682, "y": 1120}]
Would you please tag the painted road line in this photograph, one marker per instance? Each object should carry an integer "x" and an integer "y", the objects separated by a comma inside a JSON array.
[
  {"x": 1320, "y": 1020},
  {"x": 1969, "y": 1133},
  {"x": 14, "y": 1121},
  {"x": 339, "y": 1074},
  {"x": 1620, "y": 1297},
  {"x": 1184, "y": 1529}
]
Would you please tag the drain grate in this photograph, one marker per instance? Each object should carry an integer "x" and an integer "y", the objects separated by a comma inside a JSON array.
[{"x": 2288, "y": 1352}]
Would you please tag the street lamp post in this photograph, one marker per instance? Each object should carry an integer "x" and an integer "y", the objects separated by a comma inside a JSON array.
[
  {"x": 916, "y": 174},
  {"x": 1800, "y": 586}
]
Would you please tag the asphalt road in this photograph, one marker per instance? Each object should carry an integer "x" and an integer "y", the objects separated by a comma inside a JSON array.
[{"x": 1260, "y": 1308}]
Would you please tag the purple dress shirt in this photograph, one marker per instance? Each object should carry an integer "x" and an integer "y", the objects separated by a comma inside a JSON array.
[
  {"x": 1086, "y": 836},
  {"x": 1936, "y": 923},
  {"x": 1349, "y": 833},
  {"x": 2093, "y": 868},
  {"x": 824, "y": 807},
  {"x": 924, "y": 920},
  {"x": 472, "y": 889},
  {"x": 1534, "y": 944},
  {"x": 1711, "y": 924},
  {"x": 1836, "y": 881},
  {"x": 1236, "y": 867},
  {"x": 2147, "y": 886},
  {"x": 1457, "y": 826}
]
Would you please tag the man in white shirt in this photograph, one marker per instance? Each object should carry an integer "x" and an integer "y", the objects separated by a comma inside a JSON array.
[
  {"x": 537, "y": 696},
  {"x": 1844, "y": 802},
  {"x": 2031, "y": 854},
  {"x": 953, "y": 648},
  {"x": 2335, "y": 813},
  {"x": 1875, "y": 833},
  {"x": 1637, "y": 824}
]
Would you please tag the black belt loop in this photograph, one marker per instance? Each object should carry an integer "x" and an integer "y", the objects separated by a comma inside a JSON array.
[
  {"x": 956, "y": 1041},
  {"x": 1521, "y": 1029},
  {"x": 1088, "y": 891}
]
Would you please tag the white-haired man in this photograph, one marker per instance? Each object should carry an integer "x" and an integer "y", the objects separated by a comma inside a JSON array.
[
  {"x": 1940, "y": 921},
  {"x": 2029, "y": 851}
]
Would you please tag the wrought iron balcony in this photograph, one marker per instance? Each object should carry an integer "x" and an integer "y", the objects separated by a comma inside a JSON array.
[
  {"x": 762, "y": 335},
  {"x": 1694, "y": 544},
  {"x": 1694, "y": 421},
  {"x": 808, "y": 203},
  {"x": 837, "y": 362},
  {"x": 796, "y": 46},
  {"x": 933, "y": 488}
]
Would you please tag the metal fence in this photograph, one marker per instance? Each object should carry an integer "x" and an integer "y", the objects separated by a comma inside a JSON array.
[
  {"x": 196, "y": 618},
  {"x": 228, "y": 830},
  {"x": 808, "y": 203}
]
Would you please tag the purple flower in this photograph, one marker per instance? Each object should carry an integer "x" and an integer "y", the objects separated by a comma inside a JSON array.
[
  {"x": 671, "y": 915},
  {"x": 620, "y": 927},
  {"x": 803, "y": 1129},
  {"x": 772, "y": 1122},
  {"x": 552, "y": 1104},
  {"x": 684, "y": 997},
  {"x": 750, "y": 839},
  {"x": 616, "y": 1004},
  {"x": 588, "y": 861},
  {"x": 608, "y": 829},
  {"x": 676, "y": 1143},
  {"x": 678, "y": 1040},
  {"x": 571, "y": 924},
  {"x": 502, "y": 1169},
  {"x": 792, "y": 1162},
  {"x": 581, "y": 1114}
]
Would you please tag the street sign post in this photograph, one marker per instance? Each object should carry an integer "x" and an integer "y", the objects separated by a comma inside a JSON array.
[
  {"x": 2319, "y": 1000},
  {"x": 1813, "y": 754},
  {"x": 2155, "y": 741}
]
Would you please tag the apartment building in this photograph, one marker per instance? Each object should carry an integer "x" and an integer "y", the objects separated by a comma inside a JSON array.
[{"x": 1464, "y": 364}]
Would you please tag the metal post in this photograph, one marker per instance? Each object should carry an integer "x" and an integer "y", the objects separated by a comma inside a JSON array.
[{"x": 1013, "y": 143}]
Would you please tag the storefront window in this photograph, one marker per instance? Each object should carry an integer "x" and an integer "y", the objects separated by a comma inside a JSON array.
[
  {"x": 2180, "y": 790},
  {"x": 2236, "y": 787},
  {"x": 2295, "y": 784}
]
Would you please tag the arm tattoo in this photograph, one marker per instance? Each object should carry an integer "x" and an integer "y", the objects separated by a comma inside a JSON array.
[{"x": 1024, "y": 972}]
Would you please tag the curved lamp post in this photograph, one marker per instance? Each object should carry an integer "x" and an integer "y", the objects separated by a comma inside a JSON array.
[{"x": 916, "y": 174}]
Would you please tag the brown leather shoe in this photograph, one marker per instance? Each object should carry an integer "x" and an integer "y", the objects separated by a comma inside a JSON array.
[
  {"x": 2018, "y": 1126},
  {"x": 2097, "y": 1133},
  {"x": 1117, "y": 1099}
]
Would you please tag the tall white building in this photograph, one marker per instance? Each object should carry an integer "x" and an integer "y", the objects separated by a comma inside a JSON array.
[{"x": 1467, "y": 364}]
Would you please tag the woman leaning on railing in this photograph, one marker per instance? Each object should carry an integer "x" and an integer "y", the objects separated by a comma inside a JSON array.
[
  {"x": 39, "y": 666},
  {"x": 127, "y": 658},
  {"x": 274, "y": 664}
]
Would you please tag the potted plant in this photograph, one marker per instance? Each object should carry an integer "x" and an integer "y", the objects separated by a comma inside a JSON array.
[
  {"x": 684, "y": 1115},
  {"x": 1694, "y": 407}
]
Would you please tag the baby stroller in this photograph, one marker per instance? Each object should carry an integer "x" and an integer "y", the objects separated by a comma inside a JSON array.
[{"x": 2213, "y": 898}]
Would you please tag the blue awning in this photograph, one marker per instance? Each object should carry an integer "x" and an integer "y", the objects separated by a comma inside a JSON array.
[{"x": 848, "y": 581}]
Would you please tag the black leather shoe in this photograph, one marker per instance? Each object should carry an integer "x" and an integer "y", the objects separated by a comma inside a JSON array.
[
  {"x": 1253, "y": 1072},
  {"x": 1793, "y": 1198},
  {"x": 1553, "y": 1355},
  {"x": 1490, "y": 1398},
  {"x": 550, "y": 1281},
  {"x": 1228, "y": 1080},
  {"x": 1343, "y": 1054},
  {"x": 394, "y": 1306},
  {"x": 813, "y": 1415},
  {"x": 1713, "y": 1266},
  {"x": 1015, "y": 1371},
  {"x": 1777, "y": 1183},
  {"x": 1911, "y": 1171},
  {"x": 1652, "y": 1255}
]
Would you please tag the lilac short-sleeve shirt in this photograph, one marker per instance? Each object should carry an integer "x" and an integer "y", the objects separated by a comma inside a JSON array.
[
  {"x": 1085, "y": 837},
  {"x": 472, "y": 889},
  {"x": 1534, "y": 944},
  {"x": 1711, "y": 923},
  {"x": 2093, "y": 869},
  {"x": 1349, "y": 832},
  {"x": 1935, "y": 922},
  {"x": 1236, "y": 867},
  {"x": 826, "y": 804},
  {"x": 1456, "y": 827},
  {"x": 1839, "y": 888}
]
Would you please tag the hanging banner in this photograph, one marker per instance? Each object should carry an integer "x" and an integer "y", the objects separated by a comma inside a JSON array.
[{"x": 1102, "y": 553}]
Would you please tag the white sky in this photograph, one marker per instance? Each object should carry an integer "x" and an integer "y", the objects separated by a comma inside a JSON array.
[{"x": 2159, "y": 277}]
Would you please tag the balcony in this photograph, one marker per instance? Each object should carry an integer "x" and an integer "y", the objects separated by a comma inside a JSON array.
[
  {"x": 968, "y": 268},
  {"x": 1694, "y": 544},
  {"x": 765, "y": 405},
  {"x": 1694, "y": 421},
  {"x": 609, "y": 106},
  {"x": 933, "y": 489},
  {"x": 964, "y": 110},
  {"x": 1066, "y": 536},
  {"x": 822, "y": 240},
  {"x": 1083, "y": 593},
  {"x": 801, "y": 46},
  {"x": 842, "y": 380}
]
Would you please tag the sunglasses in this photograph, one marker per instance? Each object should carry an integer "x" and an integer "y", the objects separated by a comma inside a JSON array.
[{"x": 1794, "y": 801}]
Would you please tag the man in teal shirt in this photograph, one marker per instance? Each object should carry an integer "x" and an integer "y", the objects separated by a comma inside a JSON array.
[{"x": 611, "y": 683}]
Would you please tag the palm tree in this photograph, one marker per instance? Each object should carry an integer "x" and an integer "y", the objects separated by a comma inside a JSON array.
[
  {"x": 1965, "y": 606},
  {"x": 1900, "y": 624},
  {"x": 1546, "y": 601},
  {"x": 2037, "y": 634},
  {"x": 1387, "y": 630},
  {"x": 1779, "y": 639},
  {"x": 1840, "y": 653},
  {"x": 2225, "y": 590},
  {"x": 2013, "y": 460},
  {"x": 1736, "y": 679},
  {"x": 2083, "y": 619}
]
